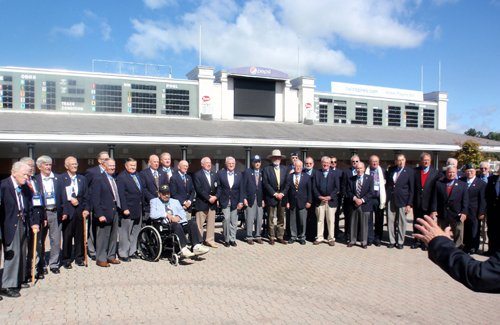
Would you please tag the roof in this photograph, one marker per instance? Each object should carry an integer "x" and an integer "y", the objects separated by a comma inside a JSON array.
[{"x": 64, "y": 127}]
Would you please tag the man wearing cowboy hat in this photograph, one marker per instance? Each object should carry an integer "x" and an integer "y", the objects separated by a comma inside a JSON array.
[{"x": 274, "y": 181}]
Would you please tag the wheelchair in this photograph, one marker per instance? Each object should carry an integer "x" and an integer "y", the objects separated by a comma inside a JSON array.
[{"x": 156, "y": 240}]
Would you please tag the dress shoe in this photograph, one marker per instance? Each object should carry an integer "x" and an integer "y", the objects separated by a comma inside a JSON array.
[
  {"x": 390, "y": 246},
  {"x": 226, "y": 244},
  {"x": 399, "y": 246},
  {"x": 302, "y": 242},
  {"x": 92, "y": 258},
  {"x": 424, "y": 248},
  {"x": 210, "y": 244},
  {"x": 291, "y": 241},
  {"x": 125, "y": 259},
  {"x": 114, "y": 261},
  {"x": 415, "y": 245},
  {"x": 250, "y": 241},
  {"x": 350, "y": 244},
  {"x": 233, "y": 243},
  {"x": 102, "y": 264},
  {"x": 259, "y": 241},
  {"x": 80, "y": 263},
  {"x": 55, "y": 270},
  {"x": 10, "y": 292},
  {"x": 316, "y": 242},
  {"x": 364, "y": 246},
  {"x": 40, "y": 276},
  {"x": 68, "y": 266},
  {"x": 45, "y": 271},
  {"x": 271, "y": 241},
  {"x": 134, "y": 256},
  {"x": 282, "y": 241},
  {"x": 25, "y": 285},
  {"x": 331, "y": 243},
  {"x": 376, "y": 243},
  {"x": 472, "y": 251}
]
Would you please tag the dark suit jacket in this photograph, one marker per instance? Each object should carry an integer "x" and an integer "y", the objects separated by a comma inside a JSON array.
[
  {"x": 366, "y": 192},
  {"x": 492, "y": 199},
  {"x": 102, "y": 198},
  {"x": 299, "y": 198},
  {"x": 204, "y": 190},
  {"x": 9, "y": 210},
  {"x": 82, "y": 197},
  {"x": 477, "y": 199},
  {"x": 180, "y": 191},
  {"x": 401, "y": 192},
  {"x": 149, "y": 189},
  {"x": 345, "y": 176},
  {"x": 475, "y": 275},
  {"x": 423, "y": 194},
  {"x": 226, "y": 193},
  {"x": 59, "y": 190},
  {"x": 271, "y": 185},
  {"x": 250, "y": 190},
  {"x": 37, "y": 212},
  {"x": 90, "y": 174},
  {"x": 131, "y": 197},
  {"x": 332, "y": 187},
  {"x": 449, "y": 207}
]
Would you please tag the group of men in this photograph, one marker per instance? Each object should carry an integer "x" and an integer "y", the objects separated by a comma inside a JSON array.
[{"x": 89, "y": 213}]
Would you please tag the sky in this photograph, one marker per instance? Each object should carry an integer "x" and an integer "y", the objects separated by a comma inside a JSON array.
[{"x": 374, "y": 42}]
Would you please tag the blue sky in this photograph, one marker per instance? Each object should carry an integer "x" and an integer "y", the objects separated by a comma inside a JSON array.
[{"x": 375, "y": 42}]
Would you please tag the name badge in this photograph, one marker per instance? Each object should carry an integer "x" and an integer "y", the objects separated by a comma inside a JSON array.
[
  {"x": 50, "y": 199},
  {"x": 376, "y": 188},
  {"x": 37, "y": 200}
]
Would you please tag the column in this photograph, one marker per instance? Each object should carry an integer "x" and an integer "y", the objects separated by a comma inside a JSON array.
[
  {"x": 436, "y": 159},
  {"x": 31, "y": 150},
  {"x": 111, "y": 151},
  {"x": 184, "y": 152},
  {"x": 248, "y": 156},
  {"x": 303, "y": 154}
]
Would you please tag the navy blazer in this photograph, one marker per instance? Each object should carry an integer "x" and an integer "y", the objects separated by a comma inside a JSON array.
[
  {"x": 102, "y": 198},
  {"x": 131, "y": 196},
  {"x": 477, "y": 198},
  {"x": 82, "y": 197},
  {"x": 492, "y": 199},
  {"x": 250, "y": 190},
  {"x": 9, "y": 210},
  {"x": 422, "y": 198},
  {"x": 37, "y": 212},
  {"x": 345, "y": 176},
  {"x": 401, "y": 192},
  {"x": 366, "y": 192},
  {"x": 449, "y": 207},
  {"x": 332, "y": 187},
  {"x": 271, "y": 185},
  {"x": 59, "y": 190},
  {"x": 204, "y": 190},
  {"x": 226, "y": 193},
  {"x": 180, "y": 191},
  {"x": 299, "y": 198},
  {"x": 90, "y": 174},
  {"x": 150, "y": 190}
]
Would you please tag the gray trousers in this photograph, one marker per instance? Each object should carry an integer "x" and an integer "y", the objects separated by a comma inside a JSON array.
[
  {"x": 276, "y": 221},
  {"x": 91, "y": 229},
  {"x": 359, "y": 220},
  {"x": 105, "y": 240},
  {"x": 14, "y": 266},
  {"x": 54, "y": 229},
  {"x": 395, "y": 214},
  {"x": 253, "y": 217},
  {"x": 301, "y": 216},
  {"x": 128, "y": 232},
  {"x": 230, "y": 224}
]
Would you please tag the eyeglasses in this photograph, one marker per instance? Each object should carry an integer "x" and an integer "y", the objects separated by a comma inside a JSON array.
[
  {"x": 333, "y": 162},
  {"x": 354, "y": 161},
  {"x": 483, "y": 168}
]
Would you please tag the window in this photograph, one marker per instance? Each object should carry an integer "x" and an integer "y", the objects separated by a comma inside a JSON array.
[
  {"x": 340, "y": 111},
  {"x": 27, "y": 94},
  {"x": 108, "y": 98},
  {"x": 377, "y": 116},
  {"x": 176, "y": 102},
  {"x": 361, "y": 114},
  {"x": 143, "y": 103},
  {"x": 394, "y": 116},
  {"x": 411, "y": 116},
  {"x": 323, "y": 113},
  {"x": 325, "y": 100},
  {"x": 6, "y": 92},
  {"x": 428, "y": 120},
  {"x": 48, "y": 95},
  {"x": 143, "y": 87}
]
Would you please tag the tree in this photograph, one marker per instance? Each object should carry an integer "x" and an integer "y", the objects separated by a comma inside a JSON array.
[
  {"x": 493, "y": 136},
  {"x": 474, "y": 133},
  {"x": 469, "y": 153}
]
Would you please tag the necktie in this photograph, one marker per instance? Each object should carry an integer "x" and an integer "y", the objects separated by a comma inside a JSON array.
[
  {"x": 277, "y": 174},
  {"x": 20, "y": 199},
  {"x": 157, "y": 179},
  {"x": 469, "y": 183},
  {"x": 74, "y": 186},
  {"x": 183, "y": 179},
  {"x": 136, "y": 181},
  {"x": 359, "y": 185},
  {"x": 115, "y": 191},
  {"x": 449, "y": 187},
  {"x": 396, "y": 175},
  {"x": 256, "y": 173},
  {"x": 296, "y": 182},
  {"x": 166, "y": 170}
]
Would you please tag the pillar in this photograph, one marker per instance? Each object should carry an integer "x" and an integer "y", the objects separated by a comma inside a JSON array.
[
  {"x": 111, "y": 151},
  {"x": 184, "y": 152},
  {"x": 303, "y": 154},
  {"x": 31, "y": 150},
  {"x": 248, "y": 156},
  {"x": 436, "y": 160}
]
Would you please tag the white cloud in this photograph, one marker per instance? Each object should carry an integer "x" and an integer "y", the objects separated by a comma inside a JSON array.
[
  {"x": 76, "y": 30},
  {"x": 156, "y": 4},
  {"x": 438, "y": 32},
  {"x": 105, "y": 31},
  {"x": 478, "y": 118},
  {"x": 104, "y": 28},
  {"x": 269, "y": 33}
]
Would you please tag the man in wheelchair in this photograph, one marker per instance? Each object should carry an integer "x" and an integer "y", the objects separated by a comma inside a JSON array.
[{"x": 170, "y": 212}]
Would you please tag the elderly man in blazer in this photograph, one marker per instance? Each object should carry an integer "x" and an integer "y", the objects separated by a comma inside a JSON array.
[
  {"x": 152, "y": 178},
  {"x": 360, "y": 192},
  {"x": 450, "y": 204},
  {"x": 476, "y": 209},
  {"x": 400, "y": 189},
  {"x": 182, "y": 188},
  {"x": 493, "y": 213},
  {"x": 15, "y": 219},
  {"x": 106, "y": 203},
  {"x": 205, "y": 185},
  {"x": 325, "y": 188},
  {"x": 131, "y": 199},
  {"x": 230, "y": 199},
  {"x": 425, "y": 183},
  {"x": 274, "y": 181},
  {"x": 298, "y": 200},
  {"x": 378, "y": 201},
  {"x": 75, "y": 205},
  {"x": 253, "y": 200}
]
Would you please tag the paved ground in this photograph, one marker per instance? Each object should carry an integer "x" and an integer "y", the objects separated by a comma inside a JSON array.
[{"x": 258, "y": 284}]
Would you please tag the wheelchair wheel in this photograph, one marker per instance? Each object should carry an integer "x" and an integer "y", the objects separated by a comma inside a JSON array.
[
  {"x": 149, "y": 244},
  {"x": 174, "y": 260}
]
